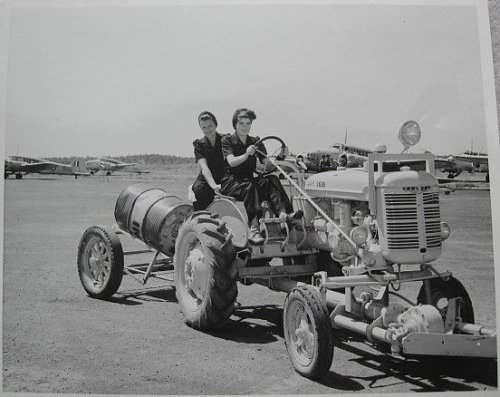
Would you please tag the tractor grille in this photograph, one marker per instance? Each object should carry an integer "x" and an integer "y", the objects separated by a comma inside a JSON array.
[
  {"x": 412, "y": 220},
  {"x": 432, "y": 218}
]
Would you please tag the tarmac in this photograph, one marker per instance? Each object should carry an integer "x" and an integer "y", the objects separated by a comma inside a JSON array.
[{"x": 58, "y": 340}]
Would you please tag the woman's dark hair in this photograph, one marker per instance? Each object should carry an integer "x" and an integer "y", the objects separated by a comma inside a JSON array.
[
  {"x": 243, "y": 112},
  {"x": 206, "y": 115}
]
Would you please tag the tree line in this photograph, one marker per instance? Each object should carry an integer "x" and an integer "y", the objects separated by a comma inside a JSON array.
[{"x": 146, "y": 159}]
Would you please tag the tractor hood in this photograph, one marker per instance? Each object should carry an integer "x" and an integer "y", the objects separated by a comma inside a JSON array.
[
  {"x": 348, "y": 184},
  {"x": 352, "y": 183},
  {"x": 406, "y": 181}
]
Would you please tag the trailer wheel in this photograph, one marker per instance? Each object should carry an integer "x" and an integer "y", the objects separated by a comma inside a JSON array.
[
  {"x": 442, "y": 290},
  {"x": 308, "y": 332},
  {"x": 100, "y": 262},
  {"x": 205, "y": 271}
]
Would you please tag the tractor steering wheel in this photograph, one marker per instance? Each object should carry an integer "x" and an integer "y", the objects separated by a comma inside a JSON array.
[
  {"x": 283, "y": 151},
  {"x": 283, "y": 148}
]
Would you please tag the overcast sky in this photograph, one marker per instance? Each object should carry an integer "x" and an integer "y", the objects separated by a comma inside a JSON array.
[{"x": 132, "y": 80}]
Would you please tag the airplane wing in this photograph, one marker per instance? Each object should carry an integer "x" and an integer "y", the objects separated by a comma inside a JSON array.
[
  {"x": 58, "y": 164},
  {"x": 106, "y": 164},
  {"x": 354, "y": 160},
  {"x": 472, "y": 158},
  {"x": 36, "y": 166},
  {"x": 440, "y": 164}
]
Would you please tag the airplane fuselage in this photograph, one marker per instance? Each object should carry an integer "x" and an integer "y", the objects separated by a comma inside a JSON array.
[
  {"x": 22, "y": 165},
  {"x": 106, "y": 165},
  {"x": 343, "y": 155}
]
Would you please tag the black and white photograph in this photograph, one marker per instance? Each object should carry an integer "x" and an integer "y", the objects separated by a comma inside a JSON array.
[{"x": 227, "y": 197}]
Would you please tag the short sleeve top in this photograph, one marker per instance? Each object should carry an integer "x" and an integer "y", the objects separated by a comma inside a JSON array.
[
  {"x": 215, "y": 160},
  {"x": 231, "y": 144}
]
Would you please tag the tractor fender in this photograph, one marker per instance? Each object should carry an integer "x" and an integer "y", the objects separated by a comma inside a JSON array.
[{"x": 234, "y": 215}]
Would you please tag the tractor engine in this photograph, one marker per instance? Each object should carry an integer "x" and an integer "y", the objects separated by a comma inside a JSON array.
[{"x": 390, "y": 212}]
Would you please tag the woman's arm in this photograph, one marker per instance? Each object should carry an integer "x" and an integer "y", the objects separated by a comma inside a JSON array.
[
  {"x": 207, "y": 173},
  {"x": 235, "y": 161}
]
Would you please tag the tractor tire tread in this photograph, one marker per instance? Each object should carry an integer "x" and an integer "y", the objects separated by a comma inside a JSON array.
[
  {"x": 323, "y": 329},
  {"x": 222, "y": 287}
]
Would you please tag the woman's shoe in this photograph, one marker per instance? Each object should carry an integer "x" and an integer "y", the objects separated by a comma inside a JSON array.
[{"x": 293, "y": 216}]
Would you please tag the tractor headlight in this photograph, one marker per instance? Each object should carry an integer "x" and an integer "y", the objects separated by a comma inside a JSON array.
[
  {"x": 359, "y": 235},
  {"x": 409, "y": 133},
  {"x": 445, "y": 231}
]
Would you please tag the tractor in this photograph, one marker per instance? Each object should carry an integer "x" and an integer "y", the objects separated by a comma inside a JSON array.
[{"x": 364, "y": 232}]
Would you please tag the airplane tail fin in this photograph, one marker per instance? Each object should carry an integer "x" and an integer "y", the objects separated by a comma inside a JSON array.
[
  {"x": 78, "y": 167},
  {"x": 75, "y": 166}
]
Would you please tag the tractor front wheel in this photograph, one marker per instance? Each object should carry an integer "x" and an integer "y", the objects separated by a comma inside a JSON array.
[
  {"x": 100, "y": 262},
  {"x": 308, "y": 332},
  {"x": 205, "y": 271}
]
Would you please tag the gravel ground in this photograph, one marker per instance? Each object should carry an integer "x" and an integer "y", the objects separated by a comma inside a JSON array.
[{"x": 58, "y": 340}]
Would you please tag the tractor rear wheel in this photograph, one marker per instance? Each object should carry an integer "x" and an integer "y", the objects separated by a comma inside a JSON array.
[
  {"x": 205, "y": 271},
  {"x": 100, "y": 262},
  {"x": 308, "y": 332},
  {"x": 442, "y": 291}
]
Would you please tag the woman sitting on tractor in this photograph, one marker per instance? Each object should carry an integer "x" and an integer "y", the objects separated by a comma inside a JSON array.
[
  {"x": 208, "y": 155},
  {"x": 240, "y": 153}
]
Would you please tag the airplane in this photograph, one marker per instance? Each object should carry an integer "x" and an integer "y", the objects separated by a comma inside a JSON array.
[
  {"x": 108, "y": 166},
  {"x": 467, "y": 161},
  {"x": 22, "y": 165},
  {"x": 354, "y": 156},
  {"x": 342, "y": 155},
  {"x": 339, "y": 155}
]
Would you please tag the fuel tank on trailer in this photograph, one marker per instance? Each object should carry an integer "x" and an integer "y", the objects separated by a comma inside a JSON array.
[{"x": 152, "y": 215}]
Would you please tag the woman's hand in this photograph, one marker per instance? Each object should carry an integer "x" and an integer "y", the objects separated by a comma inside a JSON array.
[{"x": 251, "y": 150}]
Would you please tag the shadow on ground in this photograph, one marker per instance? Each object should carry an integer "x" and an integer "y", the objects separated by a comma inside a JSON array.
[
  {"x": 253, "y": 324},
  {"x": 139, "y": 296},
  {"x": 426, "y": 373},
  {"x": 263, "y": 324}
]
